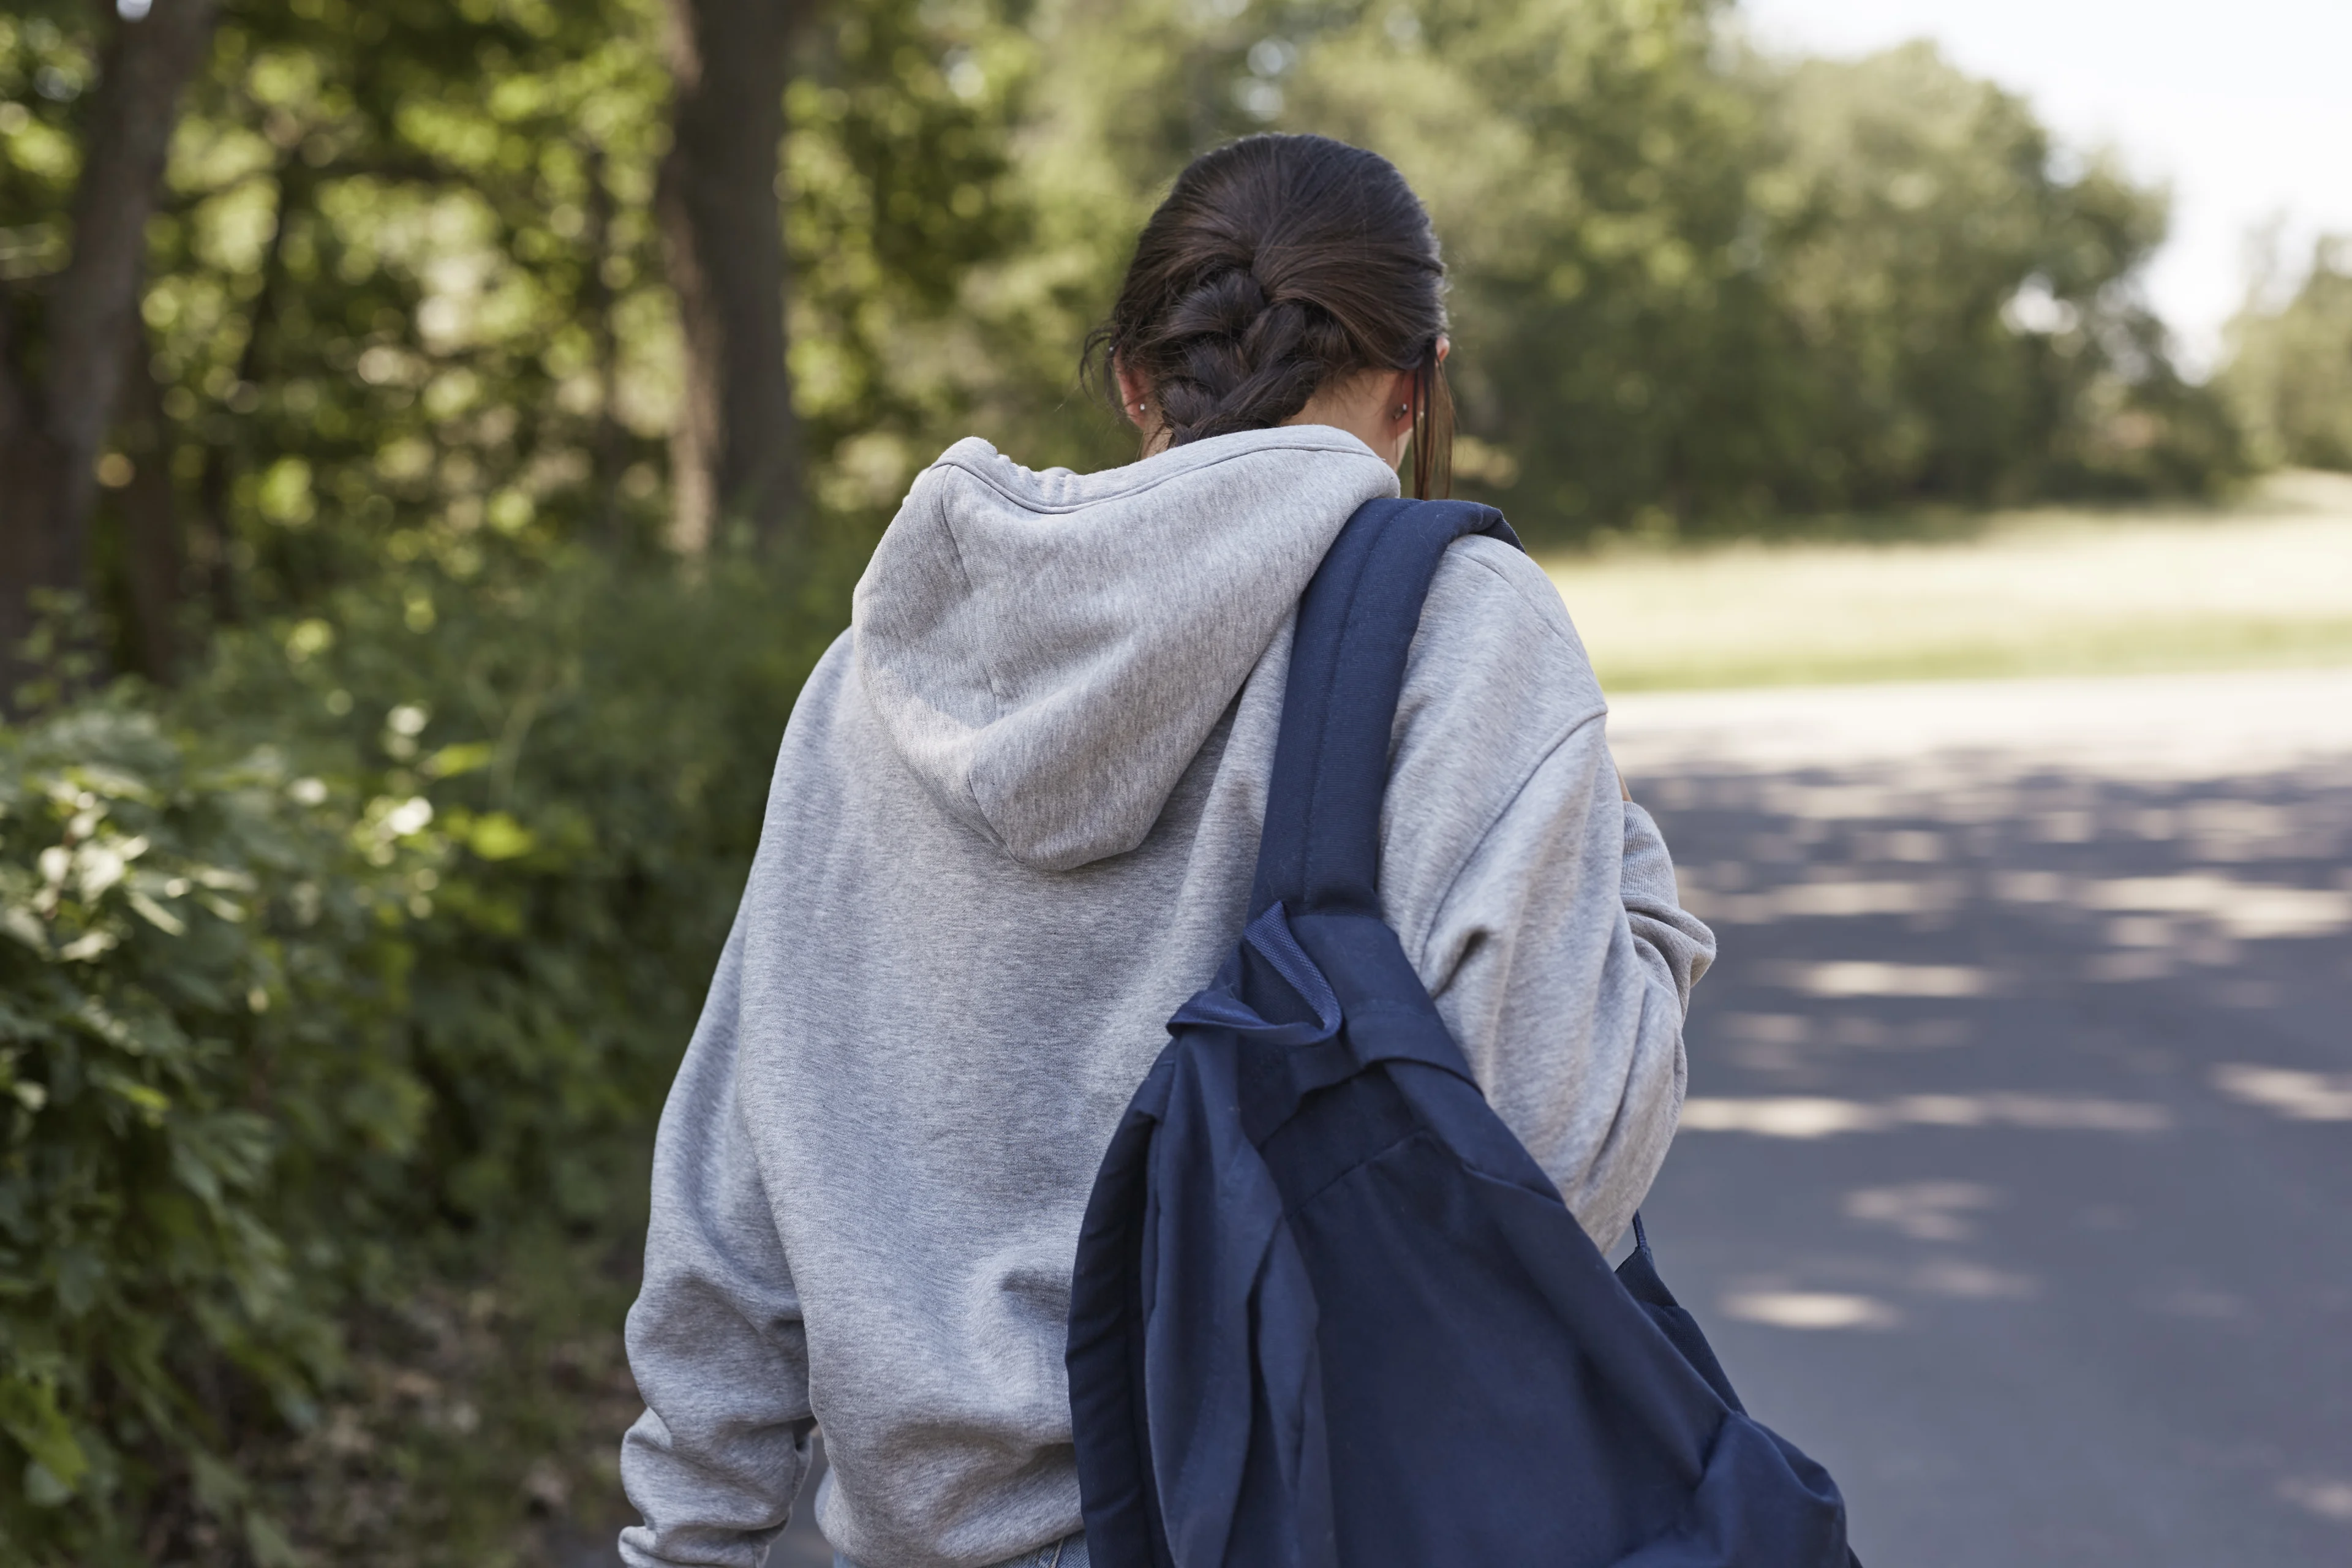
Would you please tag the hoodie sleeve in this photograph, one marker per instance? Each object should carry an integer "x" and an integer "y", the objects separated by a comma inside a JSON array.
[
  {"x": 715, "y": 1338},
  {"x": 1539, "y": 908}
]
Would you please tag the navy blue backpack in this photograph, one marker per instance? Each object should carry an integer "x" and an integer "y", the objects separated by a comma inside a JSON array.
[{"x": 1328, "y": 1309}]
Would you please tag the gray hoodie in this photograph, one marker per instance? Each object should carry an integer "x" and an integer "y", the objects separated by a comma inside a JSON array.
[{"x": 1012, "y": 829}]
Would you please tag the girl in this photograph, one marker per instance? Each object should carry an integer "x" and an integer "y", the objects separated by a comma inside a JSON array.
[{"x": 1012, "y": 828}]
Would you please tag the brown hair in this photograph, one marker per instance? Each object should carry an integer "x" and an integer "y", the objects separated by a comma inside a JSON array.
[{"x": 1276, "y": 264}]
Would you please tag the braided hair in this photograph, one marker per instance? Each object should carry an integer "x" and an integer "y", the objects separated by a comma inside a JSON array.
[{"x": 1276, "y": 265}]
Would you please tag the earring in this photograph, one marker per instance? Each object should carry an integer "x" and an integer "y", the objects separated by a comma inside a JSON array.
[{"x": 1402, "y": 410}]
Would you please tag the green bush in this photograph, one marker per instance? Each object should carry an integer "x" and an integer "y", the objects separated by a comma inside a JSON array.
[
  {"x": 596, "y": 753},
  {"x": 330, "y": 982},
  {"x": 208, "y": 1100}
]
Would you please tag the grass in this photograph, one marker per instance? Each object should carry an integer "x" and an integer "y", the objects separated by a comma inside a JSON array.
[{"x": 2264, "y": 582}]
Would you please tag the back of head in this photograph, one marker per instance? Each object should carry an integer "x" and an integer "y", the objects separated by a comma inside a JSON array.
[{"x": 1276, "y": 265}]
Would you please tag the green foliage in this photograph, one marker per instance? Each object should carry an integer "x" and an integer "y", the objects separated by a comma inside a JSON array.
[
  {"x": 1587, "y": 163},
  {"x": 1964, "y": 292},
  {"x": 1698, "y": 290},
  {"x": 898, "y": 183},
  {"x": 594, "y": 752},
  {"x": 363, "y": 963},
  {"x": 208, "y": 1102},
  {"x": 408, "y": 293},
  {"x": 1694, "y": 290},
  {"x": 2290, "y": 372},
  {"x": 405, "y": 300},
  {"x": 44, "y": 74},
  {"x": 412, "y": 354}
]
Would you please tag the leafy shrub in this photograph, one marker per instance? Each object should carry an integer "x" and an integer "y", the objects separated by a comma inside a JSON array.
[
  {"x": 207, "y": 1098},
  {"x": 362, "y": 960},
  {"x": 595, "y": 753}
]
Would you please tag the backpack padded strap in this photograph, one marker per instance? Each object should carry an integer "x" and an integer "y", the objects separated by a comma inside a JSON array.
[{"x": 1322, "y": 845}]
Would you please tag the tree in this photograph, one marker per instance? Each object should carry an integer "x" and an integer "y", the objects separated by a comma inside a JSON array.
[
  {"x": 1964, "y": 294},
  {"x": 2290, "y": 370},
  {"x": 1700, "y": 291},
  {"x": 735, "y": 452},
  {"x": 60, "y": 382}
]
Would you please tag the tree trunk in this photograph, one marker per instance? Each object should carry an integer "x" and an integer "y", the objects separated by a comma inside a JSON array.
[
  {"x": 154, "y": 553},
  {"x": 51, "y": 430},
  {"x": 736, "y": 454}
]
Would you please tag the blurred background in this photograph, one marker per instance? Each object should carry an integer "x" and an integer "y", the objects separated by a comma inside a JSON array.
[{"x": 438, "y": 435}]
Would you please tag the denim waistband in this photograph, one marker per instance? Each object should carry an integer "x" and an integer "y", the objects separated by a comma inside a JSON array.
[{"x": 1066, "y": 1553}]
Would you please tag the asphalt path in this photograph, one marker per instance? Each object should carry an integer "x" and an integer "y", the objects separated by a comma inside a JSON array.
[{"x": 2015, "y": 1182}]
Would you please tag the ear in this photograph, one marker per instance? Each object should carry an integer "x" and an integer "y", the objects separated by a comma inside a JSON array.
[
  {"x": 1134, "y": 395},
  {"x": 1398, "y": 396},
  {"x": 1402, "y": 390}
]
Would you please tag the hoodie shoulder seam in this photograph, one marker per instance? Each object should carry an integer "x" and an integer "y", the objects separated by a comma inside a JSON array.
[
  {"x": 1534, "y": 606},
  {"x": 1034, "y": 504}
]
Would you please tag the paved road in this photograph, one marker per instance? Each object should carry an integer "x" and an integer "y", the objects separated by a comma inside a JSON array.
[{"x": 2016, "y": 1181}]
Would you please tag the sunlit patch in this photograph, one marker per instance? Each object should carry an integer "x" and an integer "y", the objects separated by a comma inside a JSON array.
[
  {"x": 1782, "y": 1042},
  {"x": 1770, "y": 1028},
  {"x": 2297, "y": 1095},
  {"x": 1972, "y": 1282},
  {"x": 2040, "y": 1113},
  {"x": 2252, "y": 910},
  {"x": 1821, "y": 1116},
  {"x": 1782, "y": 1116},
  {"x": 2151, "y": 906},
  {"x": 1832, "y": 803},
  {"x": 2142, "y": 931},
  {"x": 1823, "y": 900},
  {"x": 1923, "y": 1211},
  {"x": 1862, "y": 978},
  {"x": 2065, "y": 828},
  {"x": 1811, "y": 1309},
  {"x": 2328, "y": 1499},
  {"x": 1912, "y": 845}
]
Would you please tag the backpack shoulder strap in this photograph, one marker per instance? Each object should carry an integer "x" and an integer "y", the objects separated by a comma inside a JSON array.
[{"x": 1320, "y": 847}]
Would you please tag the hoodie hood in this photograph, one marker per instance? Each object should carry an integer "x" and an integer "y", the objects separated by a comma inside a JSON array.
[{"x": 1048, "y": 650}]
